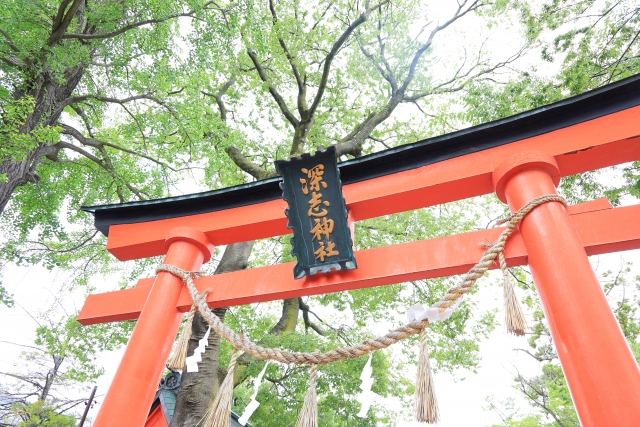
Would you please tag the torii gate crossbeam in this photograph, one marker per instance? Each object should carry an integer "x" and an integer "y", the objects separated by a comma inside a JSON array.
[
  {"x": 589, "y": 132},
  {"x": 443, "y": 256}
]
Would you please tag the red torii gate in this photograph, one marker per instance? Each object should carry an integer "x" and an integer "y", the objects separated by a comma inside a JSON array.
[{"x": 520, "y": 158}]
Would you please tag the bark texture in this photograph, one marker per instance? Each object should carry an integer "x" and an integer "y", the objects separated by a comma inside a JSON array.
[
  {"x": 198, "y": 389},
  {"x": 50, "y": 97}
]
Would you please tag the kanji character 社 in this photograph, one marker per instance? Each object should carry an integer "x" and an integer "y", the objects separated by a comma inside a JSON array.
[{"x": 323, "y": 252}]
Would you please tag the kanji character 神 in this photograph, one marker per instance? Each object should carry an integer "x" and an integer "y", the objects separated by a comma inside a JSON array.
[{"x": 322, "y": 228}]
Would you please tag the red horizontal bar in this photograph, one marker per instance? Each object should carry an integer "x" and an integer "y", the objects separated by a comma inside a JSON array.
[
  {"x": 598, "y": 143},
  {"x": 601, "y": 229}
]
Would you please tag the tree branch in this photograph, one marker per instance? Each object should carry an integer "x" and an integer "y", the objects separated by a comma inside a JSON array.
[
  {"x": 107, "y": 167},
  {"x": 440, "y": 88},
  {"x": 96, "y": 160},
  {"x": 218, "y": 97},
  {"x": 617, "y": 63},
  {"x": 122, "y": 102},
  {"x": 305, "y": 316},
  {"x": 302, "y": 92},
  {"x": 416, "y": 57},
  {"x": 23, "y": 345},
  {"x": 272, "y": 90},
  {"x": 190, "y": 14},
  {"x": 25, "y": 379},
  {"x": 71, "y": 249},
  {"x": 538, "y": 358},
  {"x": 352, "y": 143},
  {"x": 12, "y": 61},
  {"x": 58, "y": 19},
  {"x": 76, "y": 99},
  {"x": 375, "y": 62},
  {"x": 391, "y": 78},
  {"x": 9, "y": 41},
  {"x": 246, "y": 165},
  {"x": 523, "y": 387},
  {"x": 334, "y": 51},
  {"x": 81, "y": 98},
  {"x": 92, "y": 142},
  {"x": 58, "y": 30}
]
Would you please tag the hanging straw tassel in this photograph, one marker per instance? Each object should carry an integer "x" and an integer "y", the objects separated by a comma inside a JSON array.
[
  {"x": 177, "y": 360},
  {"x": 309, "y": 413},
  {"x": 220, "y": 412},
  {"x": 426, "y": 404},
  {"x": 513, "y": 316}
]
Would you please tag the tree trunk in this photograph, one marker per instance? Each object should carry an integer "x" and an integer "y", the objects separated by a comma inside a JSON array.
[
  {"x": 50, "y": 98},
  {"x": 18, "y": 173},
  {"x": 51, "y": 376},
  {"x": 198, "y": 389}
]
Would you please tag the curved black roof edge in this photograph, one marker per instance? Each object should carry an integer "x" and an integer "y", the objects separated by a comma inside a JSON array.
[{"x": 590, "y": 105}]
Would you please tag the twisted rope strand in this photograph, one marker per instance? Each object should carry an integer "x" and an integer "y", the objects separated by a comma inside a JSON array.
[{"x": 240, "y": 342}]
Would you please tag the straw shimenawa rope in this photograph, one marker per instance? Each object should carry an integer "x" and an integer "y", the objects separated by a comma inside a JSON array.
[
  {"x": 425, "y": 404},
  {"x": 514, "y": 319},
  {"x": 478, "y": 270},
  {"x": 218, "y": 413},
  {"x": 453, "y": 294},
  {"x": 308, "y": 416},
  {"x": 178, "y": 358}
]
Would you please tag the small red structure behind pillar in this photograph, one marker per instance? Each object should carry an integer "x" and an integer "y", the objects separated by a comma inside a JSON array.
[{"x": 156, "y": 418}]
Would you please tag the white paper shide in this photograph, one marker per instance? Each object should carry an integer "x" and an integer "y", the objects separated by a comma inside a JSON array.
[
  {"x": 192, "y": 361},
  {"x": 366, "y": 397},
  {"x": 253, "y": 404}
]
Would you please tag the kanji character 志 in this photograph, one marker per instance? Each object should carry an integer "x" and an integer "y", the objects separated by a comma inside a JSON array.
[{"x": 314, "y": 205}]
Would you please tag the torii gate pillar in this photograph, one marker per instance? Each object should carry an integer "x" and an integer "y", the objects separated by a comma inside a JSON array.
[
  {"x": 142, "y": 365},
  {"x": 600, "y": 369}
]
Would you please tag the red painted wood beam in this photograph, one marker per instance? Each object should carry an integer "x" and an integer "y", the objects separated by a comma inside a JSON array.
[
  {"x": 134, "y": 386},
  {"x": 601, "y": 230},
  {"x": 598, "y": 143}
]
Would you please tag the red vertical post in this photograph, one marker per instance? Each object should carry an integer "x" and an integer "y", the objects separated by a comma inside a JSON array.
[
  {"x": 130, "y": 396},
  {"x": 602, "y": 374}
]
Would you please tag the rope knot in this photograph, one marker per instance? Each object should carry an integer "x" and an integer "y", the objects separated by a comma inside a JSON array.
[{"x": 182, "y": 274}]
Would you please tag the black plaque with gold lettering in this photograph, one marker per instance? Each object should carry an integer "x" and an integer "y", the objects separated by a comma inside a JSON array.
[{"x": 317, "y": 213}]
